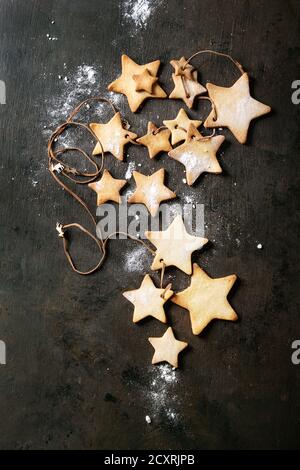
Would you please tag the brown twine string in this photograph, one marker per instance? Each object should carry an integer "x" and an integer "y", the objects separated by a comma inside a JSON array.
[
  {"x": 213, "y": 106},
  {"x": 168, "y": 287},
  {"x": 221, "y": 54},
  {"x": 67, "y": 171},
  {"x": 158, "y": 130},
  {"x": 101, "y": 244},
  {"x": 206, "y": 137},
  {"x": 208, "y": 51},
  {"x": 183, "y": 81}
]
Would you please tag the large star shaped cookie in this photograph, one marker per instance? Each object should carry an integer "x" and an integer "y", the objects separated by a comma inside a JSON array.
[
  {"x": 185, "y": 88},
  {"x": 206, "y": 299},
  {"x": 235, "y": 108},
  {"x": 179, "y": 126},
  {"x": 136, "y": 81},
  {"x": 198, "y": 154},
  {"x": 150, "y": 190},
  {"x": 156, "y": 142},
  {"x": 167, "y": 348},
  {"x": 148, "y": 300},
  {"x": 113, "y": 137},
  {"x": 107, "y": 188},
  {"x": 174, "y": 246}
]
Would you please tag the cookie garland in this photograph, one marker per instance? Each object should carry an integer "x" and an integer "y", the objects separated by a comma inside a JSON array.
[{"x": 233, "y": 107}]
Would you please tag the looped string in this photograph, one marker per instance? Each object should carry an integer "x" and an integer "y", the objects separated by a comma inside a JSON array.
[
  {"x": 101, "y": 244},
  {"x": 213, "y": 106},
  {"x": 61, "y": 233},
  {"x": 56, "y": 167},
  {"x": 221, "y": 54},
  {"x": 65, "y": 170}
]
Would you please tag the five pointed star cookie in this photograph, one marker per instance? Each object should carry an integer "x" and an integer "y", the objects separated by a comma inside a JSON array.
[
  {"x": 183, "y": 68},
  {"x": 174, "y": 246},
  {"x": 156, "y": 142},
  {"x": 107, "y": 188},
  {"x": 235, "y": 107},
  {"x": 148, "y": 300},
  {"x": 167, "y": 348},
  {"x": 144, "y": 81},
  {"x": 186, "y": 82},
  {"x": 206, "y": 299},
  {"x": 150, "y": 190},
  {"x": 126, "y": 84},
  {"x": 113, "y": 137},
  {"x": 198, "y": 154},
  {"x": 179, "y": 126}
]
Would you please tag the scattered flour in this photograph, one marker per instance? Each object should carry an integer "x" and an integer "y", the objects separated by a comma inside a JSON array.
[
  {"x": 130, "y": 169},
  {"x": 79, "y": 86},
  {"x": 138, "y": 12},
  {"x": 162, "y": 397},
  {"x": 137, "y": 259}
]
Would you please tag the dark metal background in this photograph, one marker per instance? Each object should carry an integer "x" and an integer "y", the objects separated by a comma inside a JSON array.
[{"x": 78, "y": 371}]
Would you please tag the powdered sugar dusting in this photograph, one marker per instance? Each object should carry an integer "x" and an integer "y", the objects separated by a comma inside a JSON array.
[
  {"x": 162, "y": 397},
  {"x": 130, "y": 169},
  {"x": 82, "y": 84},
  {"x": 138, "y": 12},
  {"x": 137, "y": 259}
]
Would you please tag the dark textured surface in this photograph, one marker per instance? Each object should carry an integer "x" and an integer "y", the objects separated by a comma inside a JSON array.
[{"x": 78, "y": 371}]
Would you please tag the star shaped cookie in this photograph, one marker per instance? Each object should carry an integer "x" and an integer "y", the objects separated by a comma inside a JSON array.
[
  {"x": 182, "y": 68},
  {"x": 235, "y": 107},
  {"x": 185, "y": 88},
  {"x": 198, "y": 154},
  {"x": 179, "y": 126},
  {"x": 150, "y": 190},
  {"x": 174, "y": 246},
  {"x": 136, "y": 81},
  {"x": 156, "y": 142},
  {"x": 148, "y": 300},
  {"x": 107, "y": 188},
  {"x": 167, "y": 348},
  {"x": 144, "y": 81},
  {"x": 206, "y": 299},
  {"x": 113, "y": 137}
]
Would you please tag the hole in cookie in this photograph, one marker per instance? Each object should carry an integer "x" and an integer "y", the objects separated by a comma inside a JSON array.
[
  {"x": 176, "y": 126},
  {"x": 161, "y": 260},
  {"x": 188, "y": 95},
  {"x": 126, "y": 136},
  {"x": 214, "y": 119}
]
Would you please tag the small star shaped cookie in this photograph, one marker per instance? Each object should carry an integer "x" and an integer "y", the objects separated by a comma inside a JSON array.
[
  {"x": 185, "y": 88},
  {"x": 198, "y": 154},
  {"x": 107, "y": 188},
  {"x": 174, "y": 246},
  {"x": 183, "y": 68},
  {"x": 235, "y": 107},
  {"x": 167, "y": 348},
  {"x": 206, "y": 299},
  {"x": 156, "y": 142},
  {"x": 150, "y": 190},
  {"x": 179, "y": 126},
  {"x": 113, "y": 137},
  {"x": 148, "y": 300},
  {"x": 144, "y": 81},
  {"x": 135, "y": 75}
]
